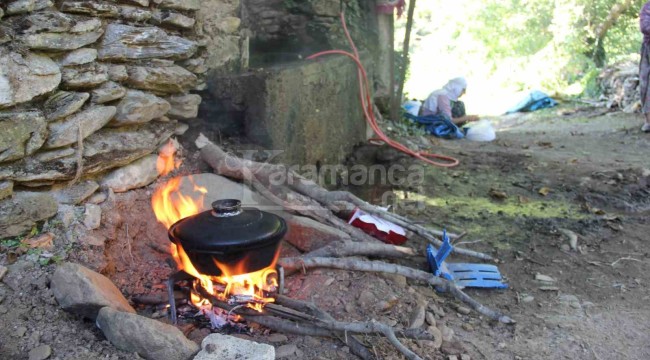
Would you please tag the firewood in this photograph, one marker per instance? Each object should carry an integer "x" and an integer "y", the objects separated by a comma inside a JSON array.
[
  {"x": 307, "y": 198},
  {"x": 293, "y": 264}
]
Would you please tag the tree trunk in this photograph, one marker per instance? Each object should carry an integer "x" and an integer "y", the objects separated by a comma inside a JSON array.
[{"x": 405, "y": 50}]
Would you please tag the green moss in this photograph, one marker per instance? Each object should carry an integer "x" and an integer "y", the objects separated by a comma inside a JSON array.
[{"x": 472, "y": 208}]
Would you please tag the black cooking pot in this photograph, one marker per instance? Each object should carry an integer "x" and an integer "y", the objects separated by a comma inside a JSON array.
[{"x": 245, "y": 240}]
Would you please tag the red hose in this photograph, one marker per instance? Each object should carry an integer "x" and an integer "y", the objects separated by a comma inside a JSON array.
[{"x": 366, "y": 105}]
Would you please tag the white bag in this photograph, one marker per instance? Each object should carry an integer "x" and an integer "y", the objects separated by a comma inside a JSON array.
[{"x": 481, "y": 130}]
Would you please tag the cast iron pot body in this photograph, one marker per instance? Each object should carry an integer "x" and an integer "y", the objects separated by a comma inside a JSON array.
[{"x": 244, "y": 240}]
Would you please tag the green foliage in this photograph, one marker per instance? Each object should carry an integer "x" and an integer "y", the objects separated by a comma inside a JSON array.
[
  {"x": 561, "y": 34},
  {"x": 513, "y": 27}
]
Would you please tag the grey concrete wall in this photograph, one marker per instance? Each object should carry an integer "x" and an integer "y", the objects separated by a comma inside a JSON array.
[{"x": 310, "y": 110}]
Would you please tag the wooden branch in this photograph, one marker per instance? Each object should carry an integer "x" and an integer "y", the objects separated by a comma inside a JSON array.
[
  {"x": 369, "y": 327},
  {"x": 348, "y": 248},
  {"x": 355, "y": 345},
  {"x": 290, "y": 264},
  {"x": 308, "y": 198}
]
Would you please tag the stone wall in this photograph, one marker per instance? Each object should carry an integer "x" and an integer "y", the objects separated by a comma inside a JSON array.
[{"x": 90, "y": 86}]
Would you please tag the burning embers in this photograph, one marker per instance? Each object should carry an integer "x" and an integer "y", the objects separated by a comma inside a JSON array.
[{"x": 230, "y": 251}]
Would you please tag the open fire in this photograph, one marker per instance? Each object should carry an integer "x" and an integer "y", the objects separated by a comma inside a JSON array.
[{"x": 234, "y": 285}]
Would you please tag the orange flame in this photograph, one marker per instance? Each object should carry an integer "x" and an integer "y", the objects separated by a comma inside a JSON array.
[
  {"x": 170, "y": 205},
  {"x": 166, "y": 162}
]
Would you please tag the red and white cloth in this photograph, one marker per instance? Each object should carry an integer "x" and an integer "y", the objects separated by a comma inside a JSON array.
[{"x": 379, "y": 228}]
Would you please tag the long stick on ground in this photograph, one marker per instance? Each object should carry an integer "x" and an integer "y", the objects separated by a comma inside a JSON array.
[
  {"x": 292, "y": 264},
  {"x": 348, "y": 248}
]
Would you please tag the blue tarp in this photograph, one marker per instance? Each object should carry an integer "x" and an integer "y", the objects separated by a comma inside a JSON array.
[
  {"x": 534, "y": 101},
  {"x": 437, "y": 125}
]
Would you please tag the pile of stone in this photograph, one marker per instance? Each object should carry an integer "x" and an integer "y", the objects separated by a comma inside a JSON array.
[
  {"x": 620, "y": 86},
  {"x": 86, "y": 293},
  {"x": 87, "y": 87}
]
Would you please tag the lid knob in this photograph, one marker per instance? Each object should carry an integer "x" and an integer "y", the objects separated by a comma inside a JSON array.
[{"x": 226, "y": 208}]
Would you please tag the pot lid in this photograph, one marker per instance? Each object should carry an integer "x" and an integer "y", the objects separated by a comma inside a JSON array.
[{"x": 226, "y": 226}]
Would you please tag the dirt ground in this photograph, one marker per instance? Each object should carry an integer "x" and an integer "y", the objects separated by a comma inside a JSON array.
[{"x": 515, "y": 197}]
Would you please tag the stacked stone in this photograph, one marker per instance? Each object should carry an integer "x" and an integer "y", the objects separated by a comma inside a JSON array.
[
  {"x": 620, "y": 86},
  {"x": 99, "y": 83}
]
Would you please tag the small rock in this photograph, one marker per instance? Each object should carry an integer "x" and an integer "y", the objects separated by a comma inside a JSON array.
[
  {"x": 184, "y": 106},
  {"x": 172, "y": 19},
  {"x": 463, "y": 310},
  {"x": 118, "y": 44},
  {"x": 366, "y": 299},
  {"x": 83, "y": 76},
  {"x": 191, "y": 5},
  {"x": 452, "y": 348},
  {"x": 225, "y": 347},
  {"x": 137, "y": 107},
  {"x": 430, "y": 318},
  {"x": 572, "y": 237},
  {"x": 82, "y": 291},
  {"x": 40, "y": 353},
  {"x": 3, "y": 271},
  {"x": 93, "y": 240},
  {"x": 467, "y": 327},
  {"x": 139, "y": 173},
  {"x": 168, "y": 80},
  {"x": 447, "y": 332},
  {"x": 21, "y": 134},
  {"x": 149, "y": 338},
  {"x": 452, "y": 357},
  {"x": 63, "y": 104},
  {"x": 25, "y": 75},
  {"x": 117, "y": 72},
  {"x": 20, "y": 213},
  {"x": 79, "y": 57},
  {"x": 92, "y": 216},
  {"x": 6, "y": 189},
  {"x": 437, "y": 336},
  {"x": 277, "y": 338},
  {"x": 437, "y": 310},
  {"x": 528, "y": 299},
  {"x": 135, "y": 14},
  {"x": 417, "y": 317},
  {"x": 67, "y": 214},
  {"x": 61, "y": 153},
  {"x": 570, "y": 300},
  {"x": 398, "y": 280},
  {"x": 465, "y": 357},
  {"x": 285, "y": 351},
  {"x": 109, "y": 91},
  {"x": 75, "y": 194},
  {"x": 25, "y": 6},
  {"x": 66, "y": 132},
  {"x": 181, "y": 128},
  {"x": 543, "y": 278},
  {"x": 97, "y": 198},
  {"x": 20, "y": 331}
]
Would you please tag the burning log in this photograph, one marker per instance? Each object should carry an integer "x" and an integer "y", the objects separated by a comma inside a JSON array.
[{"x": 308, "y": 198}]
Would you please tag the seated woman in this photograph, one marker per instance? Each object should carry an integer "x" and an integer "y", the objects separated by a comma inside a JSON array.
[{"x": 439, "y": 102}]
